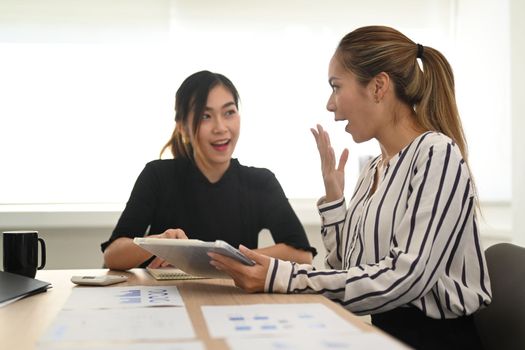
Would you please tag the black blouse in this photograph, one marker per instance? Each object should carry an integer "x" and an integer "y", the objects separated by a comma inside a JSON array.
[{"x": 173, "y": 193}]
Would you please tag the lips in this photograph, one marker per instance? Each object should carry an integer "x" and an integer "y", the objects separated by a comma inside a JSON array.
[
  {"x": 220, "y": 145},
  {"x": 347, "y": 127}
]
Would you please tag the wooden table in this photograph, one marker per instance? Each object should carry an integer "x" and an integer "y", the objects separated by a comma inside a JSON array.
[{"x": 23, "y": 322}]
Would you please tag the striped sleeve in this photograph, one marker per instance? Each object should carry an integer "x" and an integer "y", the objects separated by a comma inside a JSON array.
[
  {"x": 439, "y": 207},
  {"x": 333, "y": 217}
]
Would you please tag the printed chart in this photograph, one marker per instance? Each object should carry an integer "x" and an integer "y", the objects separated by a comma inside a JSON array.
[{"x": 278, "y": 319}]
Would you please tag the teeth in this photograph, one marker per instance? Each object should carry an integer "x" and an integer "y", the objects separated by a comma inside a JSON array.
[{"x": 220, "y": 143}]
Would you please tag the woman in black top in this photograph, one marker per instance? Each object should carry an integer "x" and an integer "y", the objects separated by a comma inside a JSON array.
[{"x": 203, "y": 193}]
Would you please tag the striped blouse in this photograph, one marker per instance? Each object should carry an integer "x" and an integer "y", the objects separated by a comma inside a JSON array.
[{"x": 414, "y": 241}]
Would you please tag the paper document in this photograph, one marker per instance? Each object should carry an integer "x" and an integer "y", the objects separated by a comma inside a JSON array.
[
  {"x": 352, "y": 341},
  {"x": 277, "y": 319},
  {"x": 191, "y": 345},
  {"x": 113, "y": 314},
  {"x": 103, "y": 325},
  {"x": 123, "y": 297}
]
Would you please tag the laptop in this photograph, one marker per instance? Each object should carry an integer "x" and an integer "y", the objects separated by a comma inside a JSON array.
[{"x": 14, "y": 287}]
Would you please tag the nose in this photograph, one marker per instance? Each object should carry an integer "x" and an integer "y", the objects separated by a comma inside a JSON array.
[
  {"x": 330, "y": 105},
  {"x": 219, "y": 126}
]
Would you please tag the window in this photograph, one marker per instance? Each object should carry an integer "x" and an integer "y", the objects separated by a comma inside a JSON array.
[{"x": 88, "y": 88}]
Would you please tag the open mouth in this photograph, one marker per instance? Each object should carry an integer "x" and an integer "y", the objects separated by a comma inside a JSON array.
[
  {"x": 220, "y": 145},
  {"x": 347, "y": 127}
]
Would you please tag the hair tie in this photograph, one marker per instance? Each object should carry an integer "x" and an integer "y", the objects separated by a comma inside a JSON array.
[{"x": 419, "y": 51}]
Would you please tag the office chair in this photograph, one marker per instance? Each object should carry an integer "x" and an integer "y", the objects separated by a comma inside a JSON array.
[{"x": 501, "y": 325}]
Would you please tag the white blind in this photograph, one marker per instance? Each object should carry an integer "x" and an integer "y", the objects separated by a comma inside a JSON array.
[{"x": 87, "y": 87}]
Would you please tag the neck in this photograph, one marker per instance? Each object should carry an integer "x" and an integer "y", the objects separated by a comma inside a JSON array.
[
  {"x": 399, "y": 134},
  {"x": 213, "y": 172}
]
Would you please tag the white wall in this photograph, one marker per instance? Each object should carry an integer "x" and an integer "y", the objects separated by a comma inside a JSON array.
[
  {"x": 87, "y": 86},
  {"x": 517, "y": 10},
  {"x": 112, "y": 110}
]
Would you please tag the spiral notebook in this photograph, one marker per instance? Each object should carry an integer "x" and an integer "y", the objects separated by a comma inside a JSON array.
[{"x": 171, "y": 273}]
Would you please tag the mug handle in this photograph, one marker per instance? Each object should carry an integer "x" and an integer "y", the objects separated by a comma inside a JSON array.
[{"x": 43, "y": 253}]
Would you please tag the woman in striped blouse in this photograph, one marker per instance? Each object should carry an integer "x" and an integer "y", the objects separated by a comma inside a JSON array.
[{"x": 406, "y": 248}]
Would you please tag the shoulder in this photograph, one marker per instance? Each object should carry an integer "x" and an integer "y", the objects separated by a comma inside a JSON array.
[
  {"x": 167, "y": 164},
  {"x": 433, "y": 138},
  {"x": 436, "y": 144},
  {"x": 254, "y": 175},
  {"x": 166, "y": 168}
]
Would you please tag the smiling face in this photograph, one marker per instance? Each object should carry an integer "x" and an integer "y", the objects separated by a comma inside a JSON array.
[
  {"x": 218, "y": 131},
  {"x": 352, "y": 102}
]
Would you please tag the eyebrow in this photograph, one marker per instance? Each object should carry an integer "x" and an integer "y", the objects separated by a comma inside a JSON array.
[
  {"x": 226, "y": 105},
  {"x": 331, "y": 80}
]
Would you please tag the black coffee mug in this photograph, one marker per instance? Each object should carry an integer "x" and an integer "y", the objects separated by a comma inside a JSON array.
[{"x": 21, "y": 252}]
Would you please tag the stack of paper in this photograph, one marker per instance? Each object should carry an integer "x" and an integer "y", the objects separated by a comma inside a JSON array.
[{"x": 105, "y": 317}]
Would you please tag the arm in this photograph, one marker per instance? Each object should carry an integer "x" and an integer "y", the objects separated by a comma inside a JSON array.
[
  {"x": 429, "y": 238},
  {"x": 276, "y": 214},
  {"x": 334, "y": 181},
  {"x": 123, "y": 254},
  {"x": 143, "y": 205},
  {"x": 133, "y": 222},
  {"x": 439, "y": 212},
  {"x": 333, "y": 218},
  {"x": 286, "y": 252}
]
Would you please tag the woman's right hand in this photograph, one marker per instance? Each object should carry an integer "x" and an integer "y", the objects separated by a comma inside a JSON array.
[
  {"x": 333, "y": 174},
  {"x": 175, "y": 233}
]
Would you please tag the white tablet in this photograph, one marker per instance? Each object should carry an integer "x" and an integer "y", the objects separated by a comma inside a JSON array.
[{"x": 190, "y": 255}]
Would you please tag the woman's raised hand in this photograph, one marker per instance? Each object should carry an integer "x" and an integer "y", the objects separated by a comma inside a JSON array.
[{"x": 333, "y": 174}]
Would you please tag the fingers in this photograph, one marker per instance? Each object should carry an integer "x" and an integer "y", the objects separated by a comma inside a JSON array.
[
  {"x": 156, "y": 263},
  {"x": 174, "y": 233},
  {"x": 326, "y": 152},
  {"x": 320, "y": 135},
  {"x": 159, "y": 262},
  {"x": 258, "y": 258},
  {"x": 342, "y": 160},
  {"x": 324, "y": 137},
  {"x": 315, "y": 133},
  {"x": 218, "y": 264},
  {"x": 249, "y": 278},
  {"x": 228, "y": 265}
]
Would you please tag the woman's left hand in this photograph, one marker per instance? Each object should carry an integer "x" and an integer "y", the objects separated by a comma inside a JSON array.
[{"x": 249, "y": 278}]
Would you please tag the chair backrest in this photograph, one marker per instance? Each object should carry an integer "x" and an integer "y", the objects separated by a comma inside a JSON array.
[{"x": 501, "y": 325}]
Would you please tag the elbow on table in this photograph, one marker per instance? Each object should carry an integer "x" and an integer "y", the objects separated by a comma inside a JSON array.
[{"x": 114, "y": 263}]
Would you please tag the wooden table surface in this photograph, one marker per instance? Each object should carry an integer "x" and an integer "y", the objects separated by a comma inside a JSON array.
[{"x": 23, "y": 322}]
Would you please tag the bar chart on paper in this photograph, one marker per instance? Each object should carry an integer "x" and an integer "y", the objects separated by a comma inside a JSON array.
[
  {"x": 123, "y": 297},
  {"x": 276, "y": 319}
]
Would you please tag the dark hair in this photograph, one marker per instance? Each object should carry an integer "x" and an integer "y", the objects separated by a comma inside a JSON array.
[
  {"x": 368, "y": 51},
  {"x": 429, "y": 90},
  {"x": 191, "y": 97}
]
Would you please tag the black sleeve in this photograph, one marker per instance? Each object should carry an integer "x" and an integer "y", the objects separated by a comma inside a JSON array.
[
  {"x": 278, "y": 216},
  {"x": 140, "y": 208}
]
